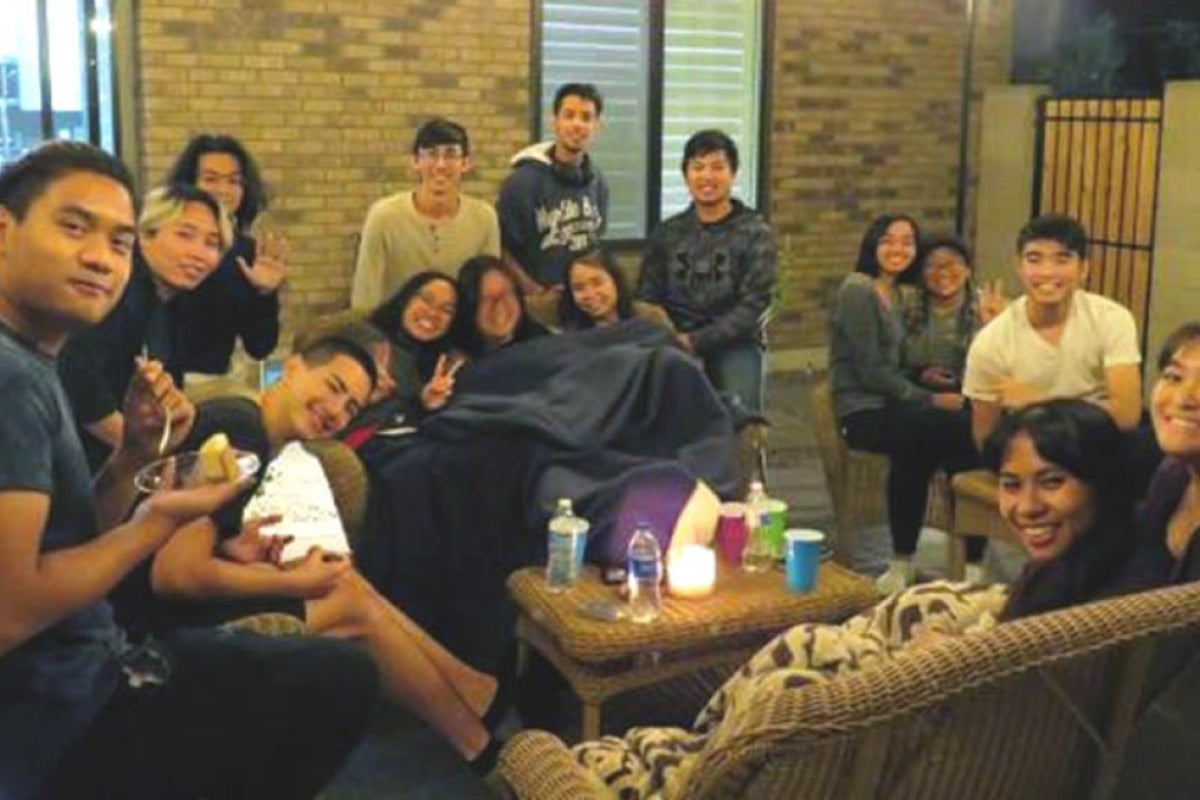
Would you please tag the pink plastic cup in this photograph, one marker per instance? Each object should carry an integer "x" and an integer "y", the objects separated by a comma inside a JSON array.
[{"x": 732, "y": 532}]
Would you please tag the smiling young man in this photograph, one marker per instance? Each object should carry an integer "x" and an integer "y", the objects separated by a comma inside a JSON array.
[
  {"x": 217, "y": 570},
  {"x": 554, "y": 204},
  {"x": 181, "y": 235},
  {"x": 1057, "y": 340},
  {"x": 712, "y": 267},
  {"x": 83, "y": 712},
  {"x": 434, "y": 226}
]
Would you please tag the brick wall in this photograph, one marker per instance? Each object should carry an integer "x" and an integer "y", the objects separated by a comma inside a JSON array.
[
  {"x": 327, "y": 95},
  {"x": 866, "y": 120}
]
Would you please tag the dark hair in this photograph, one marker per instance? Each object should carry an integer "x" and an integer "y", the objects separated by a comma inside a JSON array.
[
  {"x": 1061, "y": 228},
  {"x": 389, "y": 316},
  {"x": 570, "y": 315},
  {"x": 470, "y": 282},
  {"x": 968, "y": 315},
  {"x": 340, "y": 343},
  {"x": 1081, "y": 438},
  {"x": 186, "y": 169},
  {"x": 1188, "y": 333},
  {"x": 701, "y": 143},
  {"x": 944, "y": 241},
  {"x": 23, "y": 181},
  {"x": 584, "y": 91},
  {"x": 440, "y": 130},
  {"x": 868, "y": 263}
]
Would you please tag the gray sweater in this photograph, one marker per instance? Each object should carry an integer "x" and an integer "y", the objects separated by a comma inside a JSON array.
[{"x": 864, "y": 350}]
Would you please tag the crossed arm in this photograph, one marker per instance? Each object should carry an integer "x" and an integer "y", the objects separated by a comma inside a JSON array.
[{"x": 1124, "y": 403}]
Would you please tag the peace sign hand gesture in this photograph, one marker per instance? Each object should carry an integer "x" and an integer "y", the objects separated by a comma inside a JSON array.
[
  {"x": 437, "y": 392},
  {"x": 270, "y": 255},
  {"x": 991, "y": 301}
]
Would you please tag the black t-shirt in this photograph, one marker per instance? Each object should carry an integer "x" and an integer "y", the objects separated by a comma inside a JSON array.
[
  {"x": 239, "y": 418},
  {"x": 138, "y": 608}
]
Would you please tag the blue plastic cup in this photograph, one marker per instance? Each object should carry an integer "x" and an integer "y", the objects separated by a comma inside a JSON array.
[{"x": 802, "y": 548}]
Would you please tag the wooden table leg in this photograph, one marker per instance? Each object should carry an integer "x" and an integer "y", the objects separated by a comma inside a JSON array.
[{"x": 591, "y": 721}]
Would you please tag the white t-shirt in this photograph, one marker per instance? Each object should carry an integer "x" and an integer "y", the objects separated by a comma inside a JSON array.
[
  {"x": 1099, "y": 333},
  {"x": 398, "y": 242}
]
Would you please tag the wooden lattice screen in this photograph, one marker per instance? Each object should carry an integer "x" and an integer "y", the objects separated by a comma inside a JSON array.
[{"x": 1099, "y": 163}]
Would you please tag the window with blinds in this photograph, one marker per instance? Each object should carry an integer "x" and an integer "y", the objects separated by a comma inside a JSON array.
[{"x": 709, "y": 55}]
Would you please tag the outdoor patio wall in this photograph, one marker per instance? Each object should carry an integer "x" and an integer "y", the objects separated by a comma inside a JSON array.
[
  {"x": 866, "y": 107},
  {"x": 327, "y": 94},
  {"x": 1175, "y": 285},
  {"x": 1008, "y": 146}
]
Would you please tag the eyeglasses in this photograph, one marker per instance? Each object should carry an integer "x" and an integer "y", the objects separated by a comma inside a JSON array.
[
  {"x": 433, "y": 304},
  {"x": 448, "y": 155}
]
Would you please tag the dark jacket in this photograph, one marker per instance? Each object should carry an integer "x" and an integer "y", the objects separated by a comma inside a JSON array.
[
  {"x": 715, "y": 280},
  {"x": 550, "y": 212},
  {"x": 207, "y": 322},
  {"x": 96, "y": 364}
]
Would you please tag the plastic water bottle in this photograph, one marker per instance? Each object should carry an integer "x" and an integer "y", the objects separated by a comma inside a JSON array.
[
  {"x": 645, "y": 574},
  {"x": 566, "y": 540},
  {"x": 759, "y": 555}
]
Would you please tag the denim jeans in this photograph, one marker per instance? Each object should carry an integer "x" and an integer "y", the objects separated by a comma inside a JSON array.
[{"x": 739, "y": 369}]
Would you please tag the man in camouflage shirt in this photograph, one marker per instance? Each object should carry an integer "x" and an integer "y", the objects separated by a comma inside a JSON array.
[{"x": 712, "y": 267}]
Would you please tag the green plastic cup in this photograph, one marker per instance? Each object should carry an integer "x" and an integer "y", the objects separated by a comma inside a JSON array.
[{"x": 776, "y": 525}]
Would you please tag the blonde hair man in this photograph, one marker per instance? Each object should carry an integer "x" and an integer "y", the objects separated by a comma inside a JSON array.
[{"x": 181, "y": 236}]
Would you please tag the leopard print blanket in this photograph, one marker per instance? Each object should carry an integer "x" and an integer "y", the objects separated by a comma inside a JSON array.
[{"x": 654, "y": 763}]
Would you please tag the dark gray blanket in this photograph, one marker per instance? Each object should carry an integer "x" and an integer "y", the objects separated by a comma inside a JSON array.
[{"x": 464, "y": 501}]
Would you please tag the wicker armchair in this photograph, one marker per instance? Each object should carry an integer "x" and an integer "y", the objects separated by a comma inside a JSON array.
[
  {"x": 975, "y": 514},
  {"x": 857, "y": 482},
  {"x": 1044, "y": 707}
]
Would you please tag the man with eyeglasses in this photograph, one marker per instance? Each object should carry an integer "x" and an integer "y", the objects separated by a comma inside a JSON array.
[{"x": 433, "y": 226}]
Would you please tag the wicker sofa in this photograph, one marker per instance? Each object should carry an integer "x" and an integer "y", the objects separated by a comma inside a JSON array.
[{"x": 1039, "y": 708}]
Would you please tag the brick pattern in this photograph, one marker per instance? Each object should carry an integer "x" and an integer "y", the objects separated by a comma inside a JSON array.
[
  {"x": 327, "y": 95},
  {"x": 866, "y": 120}
]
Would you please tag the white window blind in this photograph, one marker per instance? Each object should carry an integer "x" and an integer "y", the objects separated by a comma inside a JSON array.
[
  {"x": 711, "y": 73},
  {"x": 606, "y": 43},
  {"x": 711, "y": 66}
]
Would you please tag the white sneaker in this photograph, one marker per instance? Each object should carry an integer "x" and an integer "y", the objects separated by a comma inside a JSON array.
[{"x": 899, "y": 576}]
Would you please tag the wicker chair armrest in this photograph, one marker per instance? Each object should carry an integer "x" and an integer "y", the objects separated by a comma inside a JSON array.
[
  {"x": 536, "y": 764},
  {"x": 924, "y": 678}
]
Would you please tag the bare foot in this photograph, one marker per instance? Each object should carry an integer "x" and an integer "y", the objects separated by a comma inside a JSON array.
[{"x": 476, "y": 689}]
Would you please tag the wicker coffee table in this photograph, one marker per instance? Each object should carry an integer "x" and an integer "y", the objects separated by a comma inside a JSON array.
[{"x": 603, "y": 659}]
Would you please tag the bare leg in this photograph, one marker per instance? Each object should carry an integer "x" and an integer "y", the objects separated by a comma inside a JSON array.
[
  {"x": 477, "y": 689},
  {"x": 410, "y": 679}
]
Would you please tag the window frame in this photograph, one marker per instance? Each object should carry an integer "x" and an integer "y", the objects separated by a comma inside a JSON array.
[
  {"x": 657, "y": 13},
  {"x": 91, "y": 72}
]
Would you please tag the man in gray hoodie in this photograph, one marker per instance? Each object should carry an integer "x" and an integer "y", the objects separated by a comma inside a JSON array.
[
  {"x": 554, "y": 204},
  {"x": 712, "y": 268}
]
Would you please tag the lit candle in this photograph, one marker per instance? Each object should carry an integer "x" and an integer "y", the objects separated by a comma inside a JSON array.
[{"x": 692, "y": 571}]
